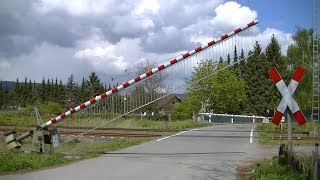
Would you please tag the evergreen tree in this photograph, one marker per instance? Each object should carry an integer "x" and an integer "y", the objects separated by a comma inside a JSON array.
[
  {"x": 220, "y": 60},
  {"x": 257, "y": 84},
  {"x": 48, "y": 90},
  {"x": 83, "y": 95},
  {"x": 273, "y": 55},
  {"x": 62, "y": 94},
  {"x": 275, "y": 59},
  {"x": 235, "y": 62},
  {"x": 93, "y": 85},
  {"x": 242, "y": 63},
  {"x": 6, "y": 97},
  {"x": 42, "y": 92},
  {"x": 15, "y": 95},
  {"x": 25, "y": 93},
  {"x": 34, "y": 90},
  {"x": 71, "y": 91},
  {"x": 228, "y": 59},
  {"x": 1, "y": 94},
  {"x": 235, "y": 56},
  {"x": 55, "y": 91}
]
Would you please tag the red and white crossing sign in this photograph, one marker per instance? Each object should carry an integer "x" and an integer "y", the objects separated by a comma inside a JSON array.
[{"x": 287, "y": 99}]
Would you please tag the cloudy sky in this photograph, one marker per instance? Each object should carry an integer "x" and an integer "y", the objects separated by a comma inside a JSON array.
[{"x": 54, "y": 38}]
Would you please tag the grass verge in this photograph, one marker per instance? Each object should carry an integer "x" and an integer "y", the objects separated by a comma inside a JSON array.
[
  {"x": 270, "y": 169},
  {"x": 16, "y": 162},
  {"x": 16, "y": 119},
  {"x": 268, "y": 130}
]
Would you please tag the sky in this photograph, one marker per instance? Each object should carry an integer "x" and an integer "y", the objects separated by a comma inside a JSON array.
[{"x": 56, "y": 38}]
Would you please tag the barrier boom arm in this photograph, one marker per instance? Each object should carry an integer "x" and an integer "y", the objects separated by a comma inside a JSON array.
[{"x": 141, "y": 77}]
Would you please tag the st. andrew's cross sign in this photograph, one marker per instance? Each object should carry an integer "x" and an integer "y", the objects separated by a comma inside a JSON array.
[{"x": 286, "y": 93}]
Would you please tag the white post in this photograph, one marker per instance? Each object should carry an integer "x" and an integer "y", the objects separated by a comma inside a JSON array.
[
  {"x": 124, "y": 105},
  {"x": 232, "y": 120},
  {"x": 251, "y": 136}
]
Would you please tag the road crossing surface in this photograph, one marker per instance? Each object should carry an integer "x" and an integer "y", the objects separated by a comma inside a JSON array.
[{"x": 204, "y": 153}]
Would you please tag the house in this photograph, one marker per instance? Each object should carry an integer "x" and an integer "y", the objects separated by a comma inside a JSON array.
[{"x": 167, "y": 103}]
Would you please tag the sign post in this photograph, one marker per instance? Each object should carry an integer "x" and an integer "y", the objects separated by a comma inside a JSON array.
[
  {"x": 288, "y": 117},
  {"x": 288, "y": 105}
]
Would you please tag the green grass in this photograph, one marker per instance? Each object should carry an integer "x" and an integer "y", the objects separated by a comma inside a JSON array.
[
  {"x": 265, "y": 132},
  {"x": 135, "y": 123},
  {"x": 16, "y": 162},
  {"x": 23, "y": 119},
  {"x": 270, "y": 169}
]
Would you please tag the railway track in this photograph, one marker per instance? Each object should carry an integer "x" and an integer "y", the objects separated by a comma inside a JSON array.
[
  {"x": 104, "y": 134},
  {"x": 135, "y": 133},
  {"x": 297, "y": 138},
  {"x": 100, "y": 132}
]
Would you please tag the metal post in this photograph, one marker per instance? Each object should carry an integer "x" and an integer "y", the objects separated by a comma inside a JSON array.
[
  {"x": 288, "y": 117},
  {"x": 124, "y": 105},
  {"x": 316, "y": 162}
]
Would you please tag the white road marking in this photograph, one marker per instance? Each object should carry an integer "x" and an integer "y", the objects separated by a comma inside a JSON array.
[
  {"x": 251, "y": 136},
  {"x": 174, "y": 135}
]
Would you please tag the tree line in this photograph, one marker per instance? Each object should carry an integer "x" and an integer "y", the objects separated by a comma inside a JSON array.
[
  {"x": 51, "y": 90},
  {"x": 245, "y": 87}
]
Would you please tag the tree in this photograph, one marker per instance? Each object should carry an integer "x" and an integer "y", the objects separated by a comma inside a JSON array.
[
  {"x": 259, "y": 87},
  {"x": 222, "y": 91},
  {"x": 15, "y": 95},
  {"x": 228, "y": 91},
  {"x": 228, "y": 59},
  {"x": 71, "y": 91},
  {"x": 300, "y": 54},
  {"x": 149, "y": 88},
  {"x": 82, "y": 91},
  {"x": 42, "y": 91},
  {"x": 275, "y": 59},
  {"x": 154, "y": 83},
  {"x": 242, "y": 63},
  {"x": 25, "y": 93},
  {"x": 1, "y": 94},
  {"x": 235, "y": 61},
  {"x": 62, "y": 93},
  {"x": 220, "y": 60},
  {"x": 6, "y": 96},
  {"x": 34, "y": 90},
  {"x": 93, "y": 86},
  {"x": 48, "y": 89}
]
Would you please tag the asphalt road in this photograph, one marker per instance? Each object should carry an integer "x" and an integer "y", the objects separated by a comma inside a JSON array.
[{"x": 204, "y": 153}]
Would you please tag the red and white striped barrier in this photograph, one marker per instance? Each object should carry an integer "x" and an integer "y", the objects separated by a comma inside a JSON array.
[
  {"x": 287, "y": 99},
  {"x": 145, "y": 75}
]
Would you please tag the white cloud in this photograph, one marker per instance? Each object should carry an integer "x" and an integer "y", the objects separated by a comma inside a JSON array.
[
  {"x": 283, "y": 38},
  {"x": 74, "y": 7},
  {"x": 146, "y": 6},
  {"x": 232, "y": 14}
]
